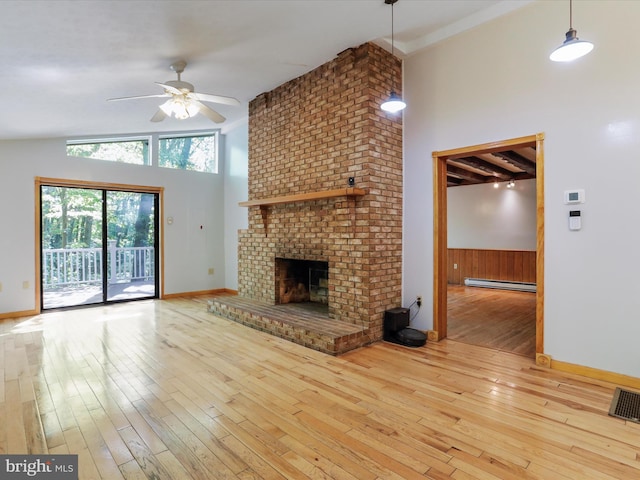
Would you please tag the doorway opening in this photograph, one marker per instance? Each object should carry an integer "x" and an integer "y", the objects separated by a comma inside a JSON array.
[
  {"x": 98, "y": 244},
  {"x": 441, "y": 254}
]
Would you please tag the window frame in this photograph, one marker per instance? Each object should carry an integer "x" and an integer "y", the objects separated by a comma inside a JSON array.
[
  {"x": 209, "y": 133},
  {"x": 153, "y": 140},
  {"x": 112, "y": 139}
]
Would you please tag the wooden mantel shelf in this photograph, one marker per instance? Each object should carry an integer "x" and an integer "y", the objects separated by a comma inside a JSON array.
[{"x": 305, "y": 197}]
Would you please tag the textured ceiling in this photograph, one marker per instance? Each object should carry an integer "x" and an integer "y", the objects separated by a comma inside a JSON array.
[{"x": 63, "y": 59}]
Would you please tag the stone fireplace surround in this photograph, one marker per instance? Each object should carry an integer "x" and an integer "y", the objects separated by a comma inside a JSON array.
[{"x": 306, "y": 138}]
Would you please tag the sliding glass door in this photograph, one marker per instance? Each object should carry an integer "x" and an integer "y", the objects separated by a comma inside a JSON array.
[
  {"x": 131, "y": 240},
  {"x": 97, "y": 246}
]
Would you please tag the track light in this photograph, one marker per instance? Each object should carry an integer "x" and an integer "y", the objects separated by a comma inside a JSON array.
[
  {"x": 496, "y": 184},
  {"x": 511, "y": 183},
  {"x": 572, "y": 48},
  {"x": 395, "y": 103}
]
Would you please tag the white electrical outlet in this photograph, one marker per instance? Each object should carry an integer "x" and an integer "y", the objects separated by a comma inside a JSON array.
[{"x": 455, "y": 266}]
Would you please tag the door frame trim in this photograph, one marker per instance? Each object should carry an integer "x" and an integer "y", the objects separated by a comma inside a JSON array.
[
  {"x": 440, "y": 229},
  {"x": 63, "y": 182}
]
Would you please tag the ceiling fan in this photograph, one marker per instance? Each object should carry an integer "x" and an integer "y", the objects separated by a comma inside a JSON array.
[{"x": 183, "y": 102}]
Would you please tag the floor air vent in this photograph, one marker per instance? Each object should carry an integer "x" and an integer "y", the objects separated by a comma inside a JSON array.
[{"x": 625, "y": 405}]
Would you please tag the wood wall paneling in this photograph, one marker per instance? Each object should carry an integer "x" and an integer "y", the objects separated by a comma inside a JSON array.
[{"x": 511, "y": 265}]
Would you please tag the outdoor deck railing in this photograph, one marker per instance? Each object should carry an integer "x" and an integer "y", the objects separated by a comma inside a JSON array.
[{"x": 75, "y": 266}]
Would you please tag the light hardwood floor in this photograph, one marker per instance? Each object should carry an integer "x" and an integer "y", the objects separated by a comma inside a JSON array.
[
  {"x": 164, "y": 390},
  {"x": 499, "y": 319}
]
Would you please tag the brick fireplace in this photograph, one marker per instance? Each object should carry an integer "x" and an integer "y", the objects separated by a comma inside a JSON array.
[{"x": 307, "y": 138}]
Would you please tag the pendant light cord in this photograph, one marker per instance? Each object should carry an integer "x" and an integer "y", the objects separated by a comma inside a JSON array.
[
  {"x": 392, "y": 2},
  {"x": 395, "y": 103},
  {"x": 570, "y": 14},
  {"x": 392, "y": 52}
]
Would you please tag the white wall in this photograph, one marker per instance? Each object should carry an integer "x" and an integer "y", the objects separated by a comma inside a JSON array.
[
  {"x": 495, "y": 82},
  {"x": 191, "y": 198},
  {"x": 481, "y": 216},
  {"x": 235, "y": 190}
]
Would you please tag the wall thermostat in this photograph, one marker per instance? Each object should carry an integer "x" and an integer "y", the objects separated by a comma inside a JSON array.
[{"x": 573, "y": 196}]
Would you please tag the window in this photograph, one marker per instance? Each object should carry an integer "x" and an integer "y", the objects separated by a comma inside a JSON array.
[
  {"x": 125, "y": 151},
  {"x": 197, "y": 153}
]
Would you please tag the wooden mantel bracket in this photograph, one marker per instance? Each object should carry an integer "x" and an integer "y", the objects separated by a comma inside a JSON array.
[
  {"x": 265, "y": 203},
  {"x": 264, "y": 212}
]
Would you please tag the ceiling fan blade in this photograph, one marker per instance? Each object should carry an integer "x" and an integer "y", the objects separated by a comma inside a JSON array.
[
  {"x": 159, "y": 116},
  {"x": 207, "y": 97},
  {"x": 210, "y": 113},
  {"x": 170, "y": 89},
  {"x": 138, "y": 96}
]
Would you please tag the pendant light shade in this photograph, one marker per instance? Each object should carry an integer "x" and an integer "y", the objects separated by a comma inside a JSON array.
[
  {"x": 394, "y": 103},
  {"x": 572, "y": 48}
]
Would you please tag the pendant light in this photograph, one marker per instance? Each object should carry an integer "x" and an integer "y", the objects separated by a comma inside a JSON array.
[
  {"x": 572, "y": 48},
  {"x": 395, "y": 103}
]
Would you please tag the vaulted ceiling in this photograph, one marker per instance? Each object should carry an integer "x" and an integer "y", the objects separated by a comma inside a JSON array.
[
  {"x": 62, "y": 59},
  {"x": 518, "y": 164}
]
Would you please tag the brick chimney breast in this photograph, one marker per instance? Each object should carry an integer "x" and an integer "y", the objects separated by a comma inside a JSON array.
[{"x": 309, "y": 135}]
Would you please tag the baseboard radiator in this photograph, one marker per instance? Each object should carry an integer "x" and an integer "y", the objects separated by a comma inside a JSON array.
[{"x": 500, "y": 284}]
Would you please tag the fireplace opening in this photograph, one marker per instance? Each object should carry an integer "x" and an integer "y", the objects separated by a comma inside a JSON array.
[{"x": 302, "y": 281}]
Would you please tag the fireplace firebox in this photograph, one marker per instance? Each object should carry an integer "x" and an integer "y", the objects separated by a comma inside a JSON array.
[{"x": 300, "y": 281}]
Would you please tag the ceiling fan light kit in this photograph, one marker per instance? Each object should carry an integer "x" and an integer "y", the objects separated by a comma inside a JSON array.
[
  {"x": 183, "y": 101},
  {"x": 180, "y": 108},
  {"x": 394, "y": 103},
  {"x": 572, "y": 48}
]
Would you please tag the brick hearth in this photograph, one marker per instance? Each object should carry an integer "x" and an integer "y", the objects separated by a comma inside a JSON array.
[
  {"x": 292, "y": 322},
  {"x": 310, "y": 135}
]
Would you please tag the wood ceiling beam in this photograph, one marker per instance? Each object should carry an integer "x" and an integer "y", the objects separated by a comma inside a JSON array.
[
  {"x": 523, "y": 176},
  {"x": 466, "y": 174},
  {"x": 490, "y": 168},
  {"x": 518, "y": 161}
]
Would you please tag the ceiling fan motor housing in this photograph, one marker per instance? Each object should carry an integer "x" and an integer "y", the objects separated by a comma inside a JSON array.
[{"x": 180, "y": 85}]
